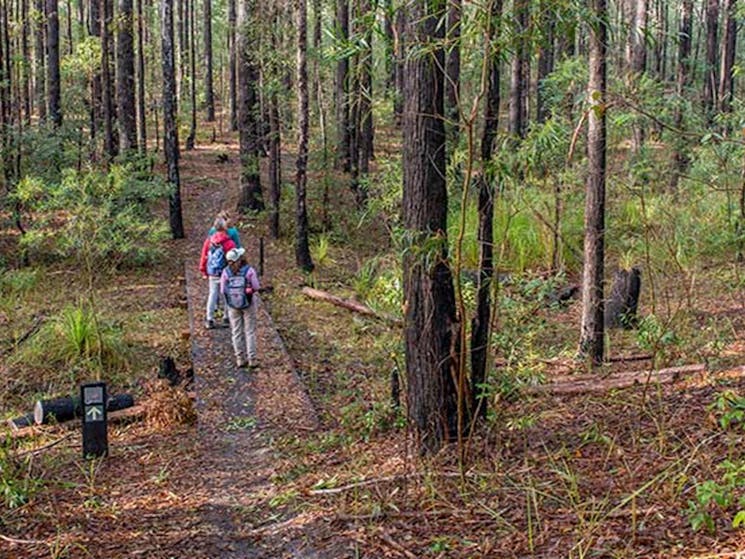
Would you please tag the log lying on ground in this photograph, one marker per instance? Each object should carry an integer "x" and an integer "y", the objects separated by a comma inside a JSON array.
[
  {"x": 576, "y": 384},
  {"x": 133, "y": 413},
  {"x": 348, "y": 304},
  {"x": 68, "y": 407},
  {"x": 22, "y": 421}
]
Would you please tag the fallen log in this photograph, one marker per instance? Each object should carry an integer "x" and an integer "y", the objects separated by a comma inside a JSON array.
[
  {"x": 133, "y": 413},
  {"x": 576, "y": 384},
  {"x": 68, "y": 407},
  {"x": 348, "y": 304}
]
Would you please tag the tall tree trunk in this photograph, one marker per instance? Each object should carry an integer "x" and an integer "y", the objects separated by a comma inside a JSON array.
[
  {"x": 170, "y": 129},
  {"x": 520, "y": 75},
  {"x": 53, "y": 68},
  {"x": 429, "y": 298},
  {"x": 232, "y": 67},
  {"x": 141, "y": 107},
  {"x": 302, "y": 247},
  {"x": 683, "y": 78},
  {"x": 726, "y": 76},
  {"x": 275, "y": 167},
  {"x": 592, "y": 329},
  {"x": 26, "y": 54},
  {"x": 389, "y": 15},
  {"x": 209, "y": 92},
  {"x": 110, "y": 144},
  {"x": 481, "y": 320},
  {"x": 192, "y": 57},
  {"x": 638, "y": 61},
  {"x": 545, "y": 58},
  {"x": 452, "y": 74},
  {"x": 40, "y": 60},
  {"x": 343, "y": 135},
  {"x": 250, "y": 196},
  {"x": 125, "y": 82},
  {"x": 96, "y": 90},
  {"x": 68, "y": 21},
  {"x": 400, "y": 30},
  {"x": 710, "y": 74}
]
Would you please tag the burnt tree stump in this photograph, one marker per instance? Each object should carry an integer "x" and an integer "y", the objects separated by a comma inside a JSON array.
[{"x": 620, "y": 307}]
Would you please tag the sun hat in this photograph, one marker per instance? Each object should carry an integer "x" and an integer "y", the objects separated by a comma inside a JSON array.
[{"x": 234, "y": 254}]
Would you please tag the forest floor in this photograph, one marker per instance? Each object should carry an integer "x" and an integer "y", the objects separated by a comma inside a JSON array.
[{"x": 278, "y": 468}]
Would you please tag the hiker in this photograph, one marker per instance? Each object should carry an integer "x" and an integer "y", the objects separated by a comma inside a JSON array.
[
  {"x": 211, "y": 265},
  {"x": 240, "y": 286},
  {"x": 229, "y": 228}
]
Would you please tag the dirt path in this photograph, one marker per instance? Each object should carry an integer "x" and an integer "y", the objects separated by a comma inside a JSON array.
[{"x": 237, "y": 409}]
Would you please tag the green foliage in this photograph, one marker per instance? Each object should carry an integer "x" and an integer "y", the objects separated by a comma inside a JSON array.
[
  {"x": 76, "y": 341},
  {"x": 16, "y": 485},
  {"x": 320, "y": 250},
  {"x": 378, "y": 284},
  {"x": 655, "y": 336},
  {"x": 718, "y": 495},
  {"x": 731, "y": 407},
  {"x": 95, "y": 217}
]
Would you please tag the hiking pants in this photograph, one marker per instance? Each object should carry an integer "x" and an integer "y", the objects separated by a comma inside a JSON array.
[
  {"x": 243, "y": 331},
  {"x": 214, "y": 298}
]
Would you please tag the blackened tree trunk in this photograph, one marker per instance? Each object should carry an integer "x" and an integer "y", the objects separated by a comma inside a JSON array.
[
  {"x": 110, "y": 144},
  {"x": 710, "y": 72},
  {"x": 592, "y": 333},
  {"x": 302, "y": 246},
  {"x": 209, "y": 90},
  {"x": 638, "y": 60},
  {"x": 683, "y": 78},
  {"x": 250, "y": 195},
  {"x": 125, "y": 79},
  {"x": 482, "y": 318},
  {"x": 40, "y": 80},
  {"x": 141, "y": 108},
  {"x": 452, "y": 74},
  {"x": 27, "y": 66},
  {"x": 389, "y": 48},
  {"x": 53, "y": 68},
  {"x": 343, "y": 134},
  {"x": 520, "y": 75},
  {"x": 429, "y": 298},
  {"x": 170, "y": 129},
  {"x": 232, "y": 67},
  {"x": 545, "y": 58},
  {"x": 726, "y": 76}
]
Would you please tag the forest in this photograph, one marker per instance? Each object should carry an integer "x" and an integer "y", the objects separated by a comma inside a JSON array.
[{"x": 501, "y": 247}]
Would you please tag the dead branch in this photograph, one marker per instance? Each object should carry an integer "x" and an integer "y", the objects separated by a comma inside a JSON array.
[
  {"x": 22, "y": 542},
  {"x": 39, "y": 450},
  {"x": 348, "y": 304},
  {"x": 38, "y": 321},
  {"x": 397, "y": 546}
]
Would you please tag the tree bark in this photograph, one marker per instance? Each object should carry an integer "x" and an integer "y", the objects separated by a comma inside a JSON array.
[
  {"x": 429, "y": 298},
  {"x": 684, "y": 70},
  {"x": 520, "y": 74},
  {"x": 27, "y": 108},
  {"x": 302, "y": 247},
  {"x": 141, "y": 107},
  {"x": 53, "y": 67},
  {"x": 400, "y": 30},
  {"x": 250, "y": 196},
  {"x": 482, "y": 318},
  {"x": 592, "y": 332},
  {"x": 170, "y": 130},
  {"x": 40, "y": 61},
  {"x": 107, "y": 101},
  {"x": 726, "y": 76},
  {"x": 710, "y": 73},
  {"x": 452, "y": 74},
  {"x": 125, "y": 83},
  {"x": 638, "y": 61},
  {"x": 209, "y": 91},
  {"x": 191, "y": 57},
  {"x": 343, "y": 134},
  {"x": 232, "y": 67},
  {"x": 545, "y": 59}
]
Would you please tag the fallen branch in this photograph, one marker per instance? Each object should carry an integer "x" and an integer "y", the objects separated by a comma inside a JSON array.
[
  {"x": 397, "y": 546},
  {"x": 576, "y": 384},
  {"x": 22, "y": 542},
  {"x": 348, "y": 304},
  {"x": 39, "y": 450},
  {"x": 38, "y": 321}
]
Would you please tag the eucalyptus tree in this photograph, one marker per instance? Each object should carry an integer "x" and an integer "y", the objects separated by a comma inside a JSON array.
[
  {"x": 429, "y": 298},
  {"x": 40, "y": 59},
  {"x": 232, "y": 66},
  {"x": 125, "y": 78},
  {"x": 250, "y": 196},
  {"x": 341, "y": 91},
  {"x": 592, "y": 331},
  {"x": 53, "y": 63},
  {"x": 140, "y": 78},
  {"x": 170, "y": 128},
  {"x": 302, "y": 248},
  {"x": 209, "y": 89},
  {"x": 712, "y": 56},
  {"x": 685, "y": 34},
  {"x": 520, "y": 75},
  {"x": 729, "y": 41},
  {"x": 452, "y": 71}
]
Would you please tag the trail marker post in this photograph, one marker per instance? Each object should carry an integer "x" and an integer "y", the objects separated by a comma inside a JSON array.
[{"x": 95, "y": 427}]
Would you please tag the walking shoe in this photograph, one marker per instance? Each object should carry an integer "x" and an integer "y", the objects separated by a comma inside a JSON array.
[
  {"x": 209, "y": 324},
  {"x": 252, "y": 363},
  {"x": 242, "y": 364},
  {"x": 225, "y": 321}
]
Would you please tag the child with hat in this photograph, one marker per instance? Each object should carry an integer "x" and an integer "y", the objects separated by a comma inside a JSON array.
[{"x": 239, "y": 284}]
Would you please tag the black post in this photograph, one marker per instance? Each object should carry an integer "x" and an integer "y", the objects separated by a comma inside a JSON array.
[{"x": 95, "y": 437}]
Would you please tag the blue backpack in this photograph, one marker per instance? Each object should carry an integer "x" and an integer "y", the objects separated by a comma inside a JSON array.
[
  {"x": 216, "y": 261},
  {"x": 235, "y": 289}
]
